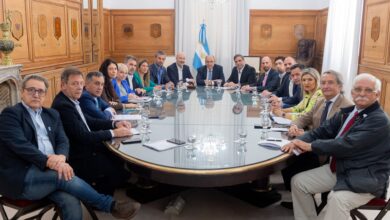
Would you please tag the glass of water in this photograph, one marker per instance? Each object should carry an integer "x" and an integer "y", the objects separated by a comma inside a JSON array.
[{"x": 191, "y": 139}]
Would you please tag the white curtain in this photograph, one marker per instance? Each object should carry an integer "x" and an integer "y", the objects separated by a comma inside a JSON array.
[
  {"x": 227, "y": 27},
  {"x": 342, "y": 41}
]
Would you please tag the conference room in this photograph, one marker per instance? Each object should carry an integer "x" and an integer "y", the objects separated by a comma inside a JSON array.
[{"x": 193, "y": 109}]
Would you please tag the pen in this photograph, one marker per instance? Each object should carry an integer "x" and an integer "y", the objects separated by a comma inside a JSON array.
[{"x": 272, "y": 139}]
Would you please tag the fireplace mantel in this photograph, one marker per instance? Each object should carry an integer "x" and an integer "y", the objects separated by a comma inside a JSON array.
[{"x": 9, "y": 85}]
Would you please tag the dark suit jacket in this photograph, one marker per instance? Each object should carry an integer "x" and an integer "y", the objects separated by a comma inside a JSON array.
[
  {"x": 272, "y": 82},
  {"x": 202, "y": 74},
  {"x": 282, "y": 90},
  {"x": 362, "y": 153},
  {"x": 19, "y": 147},
  {"x": 135, "y": 83},
  {"x": 153, "y": 68},
  {"x": 173, "y": 73},
  {"x": 248, "y": 76},
  {"x": 88, "y": 105},
  {"x": 289, "y": 101}
]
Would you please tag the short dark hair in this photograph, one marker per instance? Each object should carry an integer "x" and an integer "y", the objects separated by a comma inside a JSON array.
[
  {"x": 280, "y": 58},
  {"x": 107, "y": 81},
  {"x": 159, "y": 53},
  {"x": 130, "y": 57},
  {"x": 337, "y": 75},
  {"x": 90, "y": 75},
  {"x": 35, "y": 77},
  {"x": 238, "y": 55},
  {"x": 297, "y": 65},
  {"x": 70, "y": 71}
]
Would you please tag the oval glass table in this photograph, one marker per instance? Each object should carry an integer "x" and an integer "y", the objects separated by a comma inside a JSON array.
[{"x": 220, "y": 125}]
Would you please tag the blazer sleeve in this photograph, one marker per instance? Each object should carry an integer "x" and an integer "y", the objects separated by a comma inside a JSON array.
[
  {"x": 222, "y": 75},
  {"x": 232, "y": 76},
  {"x": 12, "y": 134},
  {"x": 187, "y": 72},
  {"x": 61, "y": 140},
  {"x": 199, "y": 78},
  {"x": 272, "y": 84},
  {"x": 89, "y": 107},
  {"x": 251, "y": 76}
]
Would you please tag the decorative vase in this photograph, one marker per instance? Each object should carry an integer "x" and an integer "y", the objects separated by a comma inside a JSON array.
[{"x": 6, "y": 44}]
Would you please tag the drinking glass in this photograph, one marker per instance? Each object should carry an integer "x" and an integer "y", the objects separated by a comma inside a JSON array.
[
  {"x": 219, "y": 82},
  {"x": 191, "y": 139}
]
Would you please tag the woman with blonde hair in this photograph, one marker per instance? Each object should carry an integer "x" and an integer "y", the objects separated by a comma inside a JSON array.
[
  {"x": 311, "y": 92},
  {"x": 121, "y": 86}
]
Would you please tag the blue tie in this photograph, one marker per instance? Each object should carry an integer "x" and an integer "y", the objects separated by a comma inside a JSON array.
[
  {"x": 97, "y": 103},
  {"x": 325, "y": 112},
  {"x": 209, "y": 74},
  {"x": 159, "y": 75}
]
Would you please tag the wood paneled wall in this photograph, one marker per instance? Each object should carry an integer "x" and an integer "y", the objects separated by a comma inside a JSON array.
[
  {"x": 47, "y": 33},
  {"x": 276, "y": 32},
  {"x": 138, "y": 32},
  {"x": 375, "y": 45}
]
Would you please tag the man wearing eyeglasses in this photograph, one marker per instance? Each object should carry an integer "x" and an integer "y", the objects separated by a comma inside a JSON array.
[
  {"x": 357, "y": 139},
  {"x": 33, "y": 158}
]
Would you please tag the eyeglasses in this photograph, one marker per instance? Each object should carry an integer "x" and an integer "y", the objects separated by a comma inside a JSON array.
[
  {"x": 32, "y": 91},
  {"x": 365, "y": 90}
]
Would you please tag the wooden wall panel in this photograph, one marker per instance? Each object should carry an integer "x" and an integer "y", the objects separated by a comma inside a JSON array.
[
  {"x": 375, "y": 46},
  {"x": 140, "y": 43},
  {"x": 273, "y": 32},
  {"x": 280, "y": 38},
  {"x": 22, "y": 52},
  {"x": 74, "y": 36},
  {"x": 375, "y": 32},
  {"x": 49, "y": 38},
  {"x": 107, "y": 32}
]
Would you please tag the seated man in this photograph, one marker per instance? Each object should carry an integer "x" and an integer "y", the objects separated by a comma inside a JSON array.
[
  {"x": 90, "y": 102},
  {"x": 357, "y": 139},
  {"x": 33, "y": 158},
  {"x": 331, "y": 86},
  {"x": 283, "y": 80},
  {"x": 178, "y": 71},
  {"x": 88, "y": 155},
  {"x": 131, "y": 63},
  {"x": 269, "y": 80},
  {"x": 293, "y": 87},
  {"x": 209, "y": 73},
  {"x": 158, "y": 73},
  {"x": 242, "y": 74}
]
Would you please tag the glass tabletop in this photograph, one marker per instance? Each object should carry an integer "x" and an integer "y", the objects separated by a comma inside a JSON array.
[{"x": 217, "y": 126}]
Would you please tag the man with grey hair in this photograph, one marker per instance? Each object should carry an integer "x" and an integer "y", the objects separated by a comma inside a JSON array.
[
  {"x": 210, "y": 73},
  {"x": 357, "y": 139},
  {"x": 34, "y": 158},
  {"x": 158, "y": 73},
  {"x": 179, "y": 71}
]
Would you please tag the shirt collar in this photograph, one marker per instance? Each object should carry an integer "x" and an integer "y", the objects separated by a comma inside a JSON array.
[
  {"x": 334, "y": 98},
  {"x": 178, "y": 67},
  {"x": 30, "y": 110}
]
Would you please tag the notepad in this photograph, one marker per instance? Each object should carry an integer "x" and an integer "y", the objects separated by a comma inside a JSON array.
[
  {"x": 161, "y": 145},
  {"x": 281, "y": 121},
  {"x": 126, "y": 117},
  {"x": 276, "y": 145},
  {"x": 140, "y": 99}
]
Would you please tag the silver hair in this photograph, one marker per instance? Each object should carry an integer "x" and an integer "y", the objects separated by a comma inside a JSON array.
[
  {"x": 35, "y": 77},
  {"x": 369, "y": 77}
]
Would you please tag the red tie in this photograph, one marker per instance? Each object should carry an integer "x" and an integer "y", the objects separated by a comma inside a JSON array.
[{"x": 346, "y": 128}]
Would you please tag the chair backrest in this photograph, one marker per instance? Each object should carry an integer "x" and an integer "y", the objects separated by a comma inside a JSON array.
[
  {"x": 374, "y": 204},
  {"x": 24, "y": 207}
]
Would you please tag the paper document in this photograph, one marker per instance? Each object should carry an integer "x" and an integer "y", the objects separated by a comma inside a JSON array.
[
  {"x": 281, "y": 121},
  {"x": 140, "y": 99},
  {"x": 279, "y": 129},
  {"x": 276, "y": 144},
  {"x": 134, "y": 131},
  {"x": 161, "y": 145},
  {"x": 126, "y": 117}
]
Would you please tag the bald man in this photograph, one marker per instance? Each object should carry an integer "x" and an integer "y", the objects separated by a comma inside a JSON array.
[
  {"x": 269, "y": 80},
  {"x": 209, "y": 73},
  {"x": 178, "y": 71}
]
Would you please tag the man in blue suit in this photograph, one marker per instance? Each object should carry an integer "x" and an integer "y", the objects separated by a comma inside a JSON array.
[
  {"x": 158, "y": 73},
  {"x": 33, "y": 158},
  {"x": 178, "y": 71},
  {"x": 209, "y": 73},
  {"x": 90, "y": 102},
  {"x": 242, "y": 74}
]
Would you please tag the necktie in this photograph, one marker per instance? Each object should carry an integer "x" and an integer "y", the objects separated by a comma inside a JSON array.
[
  {"x": 209, "y": 73},
  {"x": 325, "y": 112},
  {"x": 265, "y": 79},
  {"x": 97, "y": 103},
  {"x": 82, "y": 116},
  {"x": 346, "y": 128},
  {"x": 239, "y": 76},
  {"x": 159, "y": 75}
]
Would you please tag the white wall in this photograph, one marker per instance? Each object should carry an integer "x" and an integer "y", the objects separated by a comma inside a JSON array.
[
  {"x": 253, "y": 4},
  {"x": 138, "y": 4},
  {"x": 289, "y": 4}
]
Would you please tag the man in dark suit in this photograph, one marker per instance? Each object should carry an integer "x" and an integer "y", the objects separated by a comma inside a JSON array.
[
  {"x": 88, "y": 155},
  {"x": 33, "y": 158},
  {"x": 269, "y": 80},
  {"x": 357, "y": 139},
  {"x": 131, "y": 63},
  {"x": 91, "y": 102},
  {"x": 179, "y": 71},
  {"x": 242, "y": 74},
  {"x": 209, "y": 73},
  {"x": 158, "y": 73},
  {"x": 292, "y": 87}
]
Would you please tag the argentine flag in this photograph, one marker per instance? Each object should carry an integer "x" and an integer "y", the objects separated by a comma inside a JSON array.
[{"x": 202, "y": 48}]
